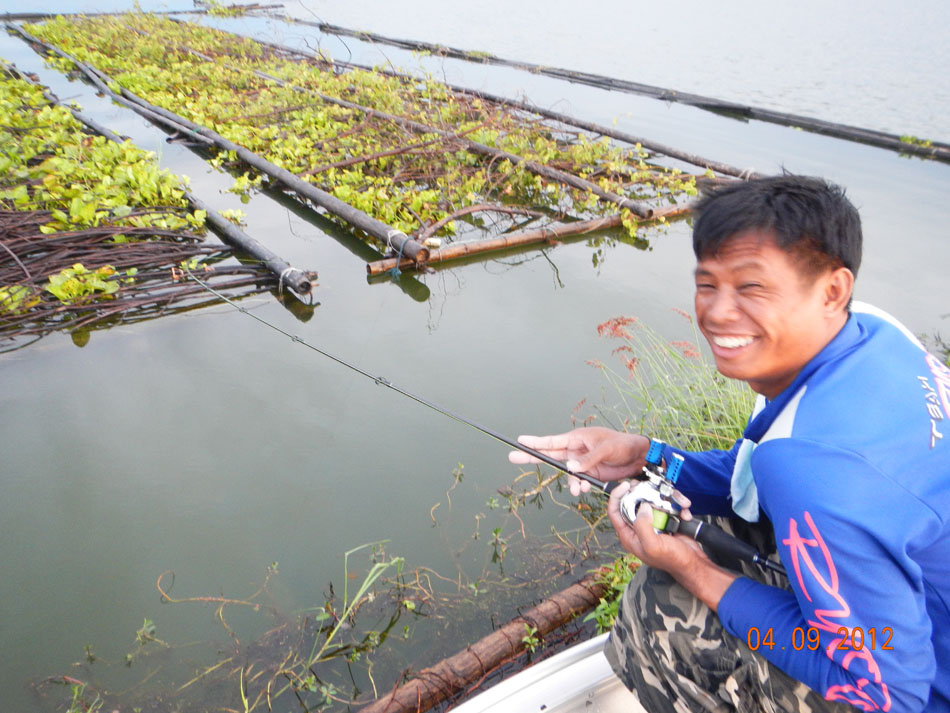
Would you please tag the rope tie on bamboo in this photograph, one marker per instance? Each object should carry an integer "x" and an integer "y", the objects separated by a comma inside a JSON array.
[
  {"x": 396, "y": 272},
  {"x": 280, "y": 280}
]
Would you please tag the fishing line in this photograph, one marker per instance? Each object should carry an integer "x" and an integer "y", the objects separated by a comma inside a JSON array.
[
  {"x": 704, "y": 533},
  {"x": 382, "y": 381}
]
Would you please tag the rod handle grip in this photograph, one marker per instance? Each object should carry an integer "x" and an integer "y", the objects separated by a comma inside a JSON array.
[
  {"x": 718, "y": 540},
  {"x": 610, "y": 485}
]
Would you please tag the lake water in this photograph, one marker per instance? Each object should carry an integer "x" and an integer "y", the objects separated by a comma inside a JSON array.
[{"x": 207, "y": 445}]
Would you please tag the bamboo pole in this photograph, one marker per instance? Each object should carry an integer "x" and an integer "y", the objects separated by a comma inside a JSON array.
[
  {"x": 301, "y": 282},
  {"x": 298, "y": 280},
  {"x": 437, "y": 683},
  {"x": 935, "y": 149},
  {"x": 527, "y": 237},
  {"x": 395, "y": 239}
]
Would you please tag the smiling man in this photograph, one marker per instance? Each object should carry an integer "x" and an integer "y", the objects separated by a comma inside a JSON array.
[{"x": 843, "y": 471}]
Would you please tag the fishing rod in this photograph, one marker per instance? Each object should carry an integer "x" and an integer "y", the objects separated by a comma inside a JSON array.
[{"x": 654, "y": 486}]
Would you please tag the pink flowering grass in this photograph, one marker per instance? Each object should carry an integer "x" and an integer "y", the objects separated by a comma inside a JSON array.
[{"x": 670, "y": 390}]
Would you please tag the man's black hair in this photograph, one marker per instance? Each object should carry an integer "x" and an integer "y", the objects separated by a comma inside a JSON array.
[{"x": 810, "y": 218}]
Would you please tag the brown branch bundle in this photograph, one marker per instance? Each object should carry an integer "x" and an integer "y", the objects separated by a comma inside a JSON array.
[{"x": 28, "y": 258}]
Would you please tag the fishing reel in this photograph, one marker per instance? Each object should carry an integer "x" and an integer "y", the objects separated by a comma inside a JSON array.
[{"x": 655, "y": 486}]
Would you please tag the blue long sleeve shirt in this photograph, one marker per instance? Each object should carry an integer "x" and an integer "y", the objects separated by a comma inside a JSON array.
[{"x": 852, "y": 468}]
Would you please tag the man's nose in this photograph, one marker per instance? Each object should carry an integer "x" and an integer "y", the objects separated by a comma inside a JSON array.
[{"x": 723, "y": 307}]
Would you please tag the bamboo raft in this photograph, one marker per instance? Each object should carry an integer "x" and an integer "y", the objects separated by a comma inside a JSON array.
[{"x": 575, "y": 196}]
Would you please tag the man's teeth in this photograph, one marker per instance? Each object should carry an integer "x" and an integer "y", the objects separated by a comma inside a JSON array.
[{"x": 732, "y": 342}]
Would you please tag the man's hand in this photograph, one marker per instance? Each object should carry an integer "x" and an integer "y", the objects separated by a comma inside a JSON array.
[
  {"x": 597, "y": 451},
  {"x": 679, "y": 555}
]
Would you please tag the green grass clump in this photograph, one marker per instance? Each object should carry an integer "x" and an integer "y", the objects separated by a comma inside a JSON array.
[{"x": 670, "y": 390}]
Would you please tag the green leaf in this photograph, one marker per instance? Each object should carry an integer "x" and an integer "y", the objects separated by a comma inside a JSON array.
[{"x": 16, "y": 299}]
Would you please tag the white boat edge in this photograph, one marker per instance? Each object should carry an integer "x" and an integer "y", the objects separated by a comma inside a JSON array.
[{"x": 578, "y": 679}]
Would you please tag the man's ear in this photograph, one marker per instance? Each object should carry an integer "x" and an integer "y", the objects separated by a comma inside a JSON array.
[{"x": 839, "y": 285}]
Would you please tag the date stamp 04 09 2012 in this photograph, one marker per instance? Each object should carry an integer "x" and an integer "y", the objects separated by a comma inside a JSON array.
[{"x": 810, "y": 639}]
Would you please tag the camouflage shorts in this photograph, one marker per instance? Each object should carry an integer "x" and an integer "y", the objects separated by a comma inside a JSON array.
[{"x": 673, "y": 653}]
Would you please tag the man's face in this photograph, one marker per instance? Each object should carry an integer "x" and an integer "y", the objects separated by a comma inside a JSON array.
[{"x": 764, "y": 320}]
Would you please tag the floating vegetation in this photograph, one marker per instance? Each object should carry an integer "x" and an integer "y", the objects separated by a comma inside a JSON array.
[
  {"x": 91, "y": 231},
  {"x": 421, "y": 158},
  {"x": 283, "y": 668}
]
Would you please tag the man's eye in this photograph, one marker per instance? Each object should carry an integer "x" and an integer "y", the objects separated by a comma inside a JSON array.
[{"x": 749, "y": 285}]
